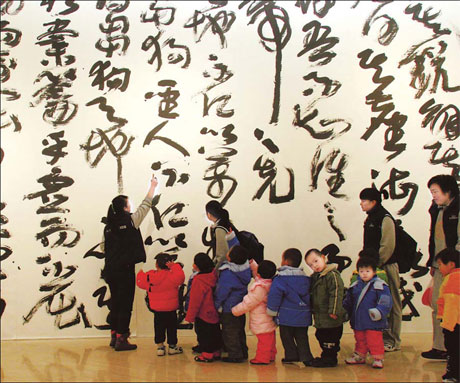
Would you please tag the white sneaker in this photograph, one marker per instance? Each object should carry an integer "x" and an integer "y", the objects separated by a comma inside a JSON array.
[
  {"x": 391, "y": 348},
  {"x": 355, "y": 359},
  {"x": 377, "y": 363},
  {"x": 174, "y": 350},
  {"x": 161, "y": 351}
]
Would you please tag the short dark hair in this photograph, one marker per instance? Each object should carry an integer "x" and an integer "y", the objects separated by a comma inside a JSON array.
[
  {"x": 371, "y": 194},
  {"x": 266, "y": 269},
  {"x": 447, "y": 183},
  {"x": 238, "y": 254},
  {"x": 293, "y": 257},
  {"x": 314, "y": 250},
  {"x": 203, "y": 262},
  {"x": 366, "y": 262},
  {"x": 447, "y": 255},
  {"x": 162, "y": 259}
]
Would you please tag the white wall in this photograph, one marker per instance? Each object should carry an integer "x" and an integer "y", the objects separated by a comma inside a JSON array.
[{"x": 299, "y": 222}]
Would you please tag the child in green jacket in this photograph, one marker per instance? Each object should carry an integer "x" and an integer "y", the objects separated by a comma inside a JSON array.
[{"x": 327, "y": 291}]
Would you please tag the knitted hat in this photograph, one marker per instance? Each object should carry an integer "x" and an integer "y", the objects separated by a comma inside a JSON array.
[
  {"x": 371, "y": 194},
  {"x": 203, "y": 262}
]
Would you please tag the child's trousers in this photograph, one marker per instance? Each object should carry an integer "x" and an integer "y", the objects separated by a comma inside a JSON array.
[
  {"x": 451, "y": 341},
  {"x": 234, "y": 335},
  {"x": 295, "y": 343},
  {"x": 266, "y": 347},
  {"x": 209, "y": 336},
  {"x": 369, "y": 341},
  {"x": 329, "y": 341},
  {"x": 165, "y": 322}
]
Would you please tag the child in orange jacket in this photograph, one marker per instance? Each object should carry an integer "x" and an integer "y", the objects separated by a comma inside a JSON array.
[
  {"x": 449, "y": 309},
  {"x": 162, "y": 286}
]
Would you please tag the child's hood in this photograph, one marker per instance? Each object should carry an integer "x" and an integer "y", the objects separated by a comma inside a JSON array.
[
  {"x": 327, "y": 269},
  {"x": 242, "y": 272},
  {"x": 209, "y": 279},
  {"x": 265, "y": 283},
  {"x": 292, "y": 271}
]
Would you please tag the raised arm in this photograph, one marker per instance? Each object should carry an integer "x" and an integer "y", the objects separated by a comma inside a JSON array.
[{"x": 140, "y": 213}]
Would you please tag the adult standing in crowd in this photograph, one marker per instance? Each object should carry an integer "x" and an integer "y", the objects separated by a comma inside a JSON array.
[
  {"x": 223, "y": 232},
  {"x": 380, "y": 235},
  {"x": 444, "y": 232},
  {"x": 123, "y": 247}
]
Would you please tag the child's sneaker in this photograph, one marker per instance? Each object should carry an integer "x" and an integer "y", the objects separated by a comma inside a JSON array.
[
  {"x": 355, "y": 359},
  {"x": 377, "y": 363},
  {"x": 161, "y": 351},
  {"x": 174, "y": 349}
]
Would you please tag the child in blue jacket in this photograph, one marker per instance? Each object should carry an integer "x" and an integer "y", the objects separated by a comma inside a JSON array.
[
  {"x": 368, "y": 303},
  {"x": 289, "y": 302},
  {"x": 232, "y": 286}
]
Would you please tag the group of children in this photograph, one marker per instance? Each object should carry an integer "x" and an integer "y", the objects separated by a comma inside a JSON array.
[{"x": 286, "y": 298}]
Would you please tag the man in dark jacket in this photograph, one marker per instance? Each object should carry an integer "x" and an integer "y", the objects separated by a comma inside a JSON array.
[{"x": 444, "y": 232}]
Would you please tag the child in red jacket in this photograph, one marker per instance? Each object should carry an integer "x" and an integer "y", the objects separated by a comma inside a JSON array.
[
  {"x": 201, "y": 309},
  {"x": 163, "y": 293}
]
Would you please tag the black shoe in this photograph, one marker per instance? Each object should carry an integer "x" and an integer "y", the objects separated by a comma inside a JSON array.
[
  {"x": 232, "y": 360},
  {"x": 435, "y": 354},
  {"x": 196, "y": 349},
  {"x": 320, "y": 363},
  {"x": 308, "y": 363},
  {"x": 289, "y": 361},
  {"x": 122, "y": 343}
]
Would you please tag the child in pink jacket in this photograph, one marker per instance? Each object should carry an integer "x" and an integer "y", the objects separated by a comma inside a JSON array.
[
  {"x": 162, "y": 287},
  {"x": 260, "y": 323}
]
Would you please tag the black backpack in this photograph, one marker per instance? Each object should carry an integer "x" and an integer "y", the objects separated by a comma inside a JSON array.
[
  {"x": 405, "y": 251},
  {"x": 250, "y": 242}
]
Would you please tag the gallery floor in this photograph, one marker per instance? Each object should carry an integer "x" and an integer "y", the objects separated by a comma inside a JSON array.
[{"x": 88, "y": 360}]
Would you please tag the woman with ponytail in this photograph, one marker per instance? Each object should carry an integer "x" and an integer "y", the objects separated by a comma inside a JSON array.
[
  {"x": 380, "y": 235},
  {"x": 223, "y": 232},
  {"x": 123, "y": 247}
]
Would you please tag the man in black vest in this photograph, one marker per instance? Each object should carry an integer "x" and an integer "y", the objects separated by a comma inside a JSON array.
[
  {"x": 444, "y": 232},
  {"x": 380, "y": 235}
]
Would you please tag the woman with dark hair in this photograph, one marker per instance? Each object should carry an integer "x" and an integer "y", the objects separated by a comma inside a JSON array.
[
  {"x": 444, "y": 232},
  {"x": 123, "y": 247},
  {"x": 380, "y": 235},
  {"x": 223, "y": 232}
]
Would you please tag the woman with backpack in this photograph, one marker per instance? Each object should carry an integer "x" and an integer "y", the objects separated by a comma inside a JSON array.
[
  {"x": 380, "y": 235},
  {"x": 123, "y": 247},
  {"x": 222, "y": 232}
]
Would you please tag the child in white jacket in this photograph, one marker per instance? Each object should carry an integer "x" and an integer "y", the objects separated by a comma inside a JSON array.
[{"x": 255, "y": 302}]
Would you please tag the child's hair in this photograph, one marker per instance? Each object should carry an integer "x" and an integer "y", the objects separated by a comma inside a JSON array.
[
  {"x": 369, "y": 253},
  {"x": 162, "y": 259},
  {"x": 313, "y": 251},
  {"x": 203, "y": 262},
  {"x": 266, "y": 269},
  {"x": 238, "y": 254},
  {"x": 447, "y": 255},
  {"x": 293, "y": 257},
  {"x": 367, "y": 262}
]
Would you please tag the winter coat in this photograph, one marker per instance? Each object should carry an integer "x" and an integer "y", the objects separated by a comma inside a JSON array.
[
  {"x": 327, "y": 292},
  {"x": 255, "y": 302},
  {"x": 449, "y": 300},
  {"x": 368, "y": 304},
  {"x": 201, "y": 303},
  {"x": 162, "y": 287},
  {"x": 232, "y": 285},
  {"x": 289, "y": 297},
  {"x": 450, "y": 227}
]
